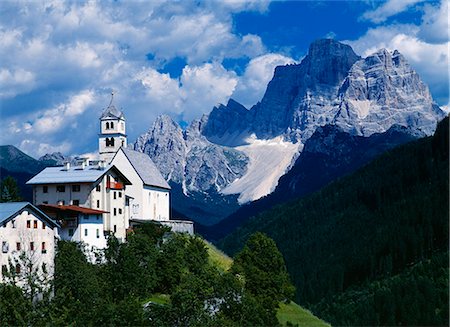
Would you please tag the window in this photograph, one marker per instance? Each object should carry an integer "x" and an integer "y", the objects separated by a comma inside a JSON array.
[
  {"x": 107, "y": 125},
  {"x": 97, "y": 233},
  {"x": 60, "y": 188},
  {"x": 115, "y": 211},
  {"x": 45, "y": 189},
  {"x": 44, "y": 202},
  {"x": 31, "y": 246},
  {"x": 85, "y": 216},
  {"x": 70, "y": 231},
  {"x": 120, "y": 211},
  {"x": 34, "y": 224},
  {"x": 18, "y": 246},
  {"x": 98, "y": 203},
  {"x": 4, "y": 269},
  {"x": 85, "y": 232},
  {"x": 76, "y": 202},
  {"x": 98, "y": 188},
  {"x": 120, "y": 194},
  {"x": 75, "y": 188},
  {"x": 28, "y": 223},
  {"x": 115, "y": 228},
  {"x": 61, "y": 202},
  {"x": 13, "y": 222},
  {"x": 109, "y": 141},
  {"x": 18, "y": 268},
  {"x": 44, "y": 250},
  {"x": 5, "y": 247},
  {"x": 43, "y": 225},
  {"x": 115, "y": 195},
  {"x": 112, "y": 125}
]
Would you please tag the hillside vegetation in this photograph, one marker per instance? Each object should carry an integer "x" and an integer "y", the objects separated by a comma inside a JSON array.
[{"x": 370, "y": 225}]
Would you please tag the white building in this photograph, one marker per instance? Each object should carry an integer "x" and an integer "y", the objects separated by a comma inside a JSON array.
[
  {"x": 78, "y": 224},
  {"x": 148, "y": 193},
  {"x": 125, "y": 184},
  {"x": 87, "y": 185},
  {"x": 27, "y": 237}
]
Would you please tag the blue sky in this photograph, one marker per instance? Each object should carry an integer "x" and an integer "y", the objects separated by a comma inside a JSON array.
[{"x": 59, "y": 60}]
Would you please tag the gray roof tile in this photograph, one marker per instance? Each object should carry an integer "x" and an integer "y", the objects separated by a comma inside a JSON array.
[{"x": 146, "y": 168}]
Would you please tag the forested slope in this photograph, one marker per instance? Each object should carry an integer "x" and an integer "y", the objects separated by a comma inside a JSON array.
[{"x": 372, "y": 224}]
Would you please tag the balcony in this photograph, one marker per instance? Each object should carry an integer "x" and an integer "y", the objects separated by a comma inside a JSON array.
[{"x": 114, "y": 185}]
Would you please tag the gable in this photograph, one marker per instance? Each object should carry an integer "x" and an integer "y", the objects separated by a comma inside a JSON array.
[{"x": 145, "y": 168}]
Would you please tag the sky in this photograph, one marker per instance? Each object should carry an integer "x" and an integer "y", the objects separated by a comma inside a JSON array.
[{"x": 60, "y": 60}]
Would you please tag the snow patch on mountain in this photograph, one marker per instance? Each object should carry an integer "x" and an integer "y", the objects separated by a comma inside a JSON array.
[{"x": 268, "y": 161}]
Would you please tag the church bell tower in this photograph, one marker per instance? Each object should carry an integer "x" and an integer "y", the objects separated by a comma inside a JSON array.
[{"x": 112, "y": 132}]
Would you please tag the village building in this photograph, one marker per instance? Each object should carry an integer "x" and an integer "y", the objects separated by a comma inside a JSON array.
[
  {"x": 27, "y": 238},
  {"x": 122, "y": 189},
  {"x": 88, "y": 185},
  {"x": 78, "y": 224}
]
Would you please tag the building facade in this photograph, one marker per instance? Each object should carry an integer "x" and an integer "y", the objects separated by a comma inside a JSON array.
[
  {"x": 28, "y": 237},
  {"x": 89, "y": 185},
  {"x": 79, "y": 224}
]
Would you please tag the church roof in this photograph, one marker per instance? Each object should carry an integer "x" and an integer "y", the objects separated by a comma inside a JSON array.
[
  {"x": 61, "y": 175},
  {"x": 145, "y": 168},
  {"x": 111, "y": 111},
  {"x": 10, "y": 209}
]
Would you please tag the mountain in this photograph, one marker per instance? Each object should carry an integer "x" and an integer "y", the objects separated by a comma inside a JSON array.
[
  {"x": 332, "y": 85},
  {"x": 196, "y": 168},
  {"x": 20, "y": 166},
  {"x": 54, "y": 159},
  {"x": 244, "y": 152},
  {"x": 375, "y": 223},
  {"x": 328, "y": 154}
]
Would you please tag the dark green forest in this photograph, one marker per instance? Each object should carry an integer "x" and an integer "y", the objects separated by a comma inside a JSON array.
[
  {"x": 156, "y": 278},
  {"x": 368, "y": 229}
]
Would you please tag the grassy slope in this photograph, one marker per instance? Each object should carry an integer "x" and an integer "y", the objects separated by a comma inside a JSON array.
[
  {"x": 296, "y": 315},
  {"x": 291, "y": 312}
]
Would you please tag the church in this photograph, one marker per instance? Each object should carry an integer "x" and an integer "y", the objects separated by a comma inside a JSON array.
[{"x": 122, "y": 189}]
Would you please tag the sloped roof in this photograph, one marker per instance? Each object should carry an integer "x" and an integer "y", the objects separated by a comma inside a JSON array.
[
  {"x": 146, "y": 168},
  {"x": 59, "y": 175},
  {"x": 71, "y": 208},
  {"x": 9, "y": 209},
  {"x": 111, "y": 112}
]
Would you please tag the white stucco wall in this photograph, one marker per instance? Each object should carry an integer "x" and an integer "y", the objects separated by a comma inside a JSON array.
[
  {"x": 24, "y": 235},
  {"x": 148, "y": 202},
  {"x": 53, "y": 196},
  {"x": 92, "y": 223}
]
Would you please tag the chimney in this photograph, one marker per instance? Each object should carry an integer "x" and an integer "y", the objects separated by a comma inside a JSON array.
[{"x": 66, "y": 165}]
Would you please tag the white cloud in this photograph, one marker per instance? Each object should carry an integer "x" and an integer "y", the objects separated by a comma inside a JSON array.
[
  {"x": 259, "y": 71},
  {"x": 38, "y": 148},
  {"x": 57, "y": 50},
  {"x": 435, "y": 26},
  {"x": 388, "y": 9}
]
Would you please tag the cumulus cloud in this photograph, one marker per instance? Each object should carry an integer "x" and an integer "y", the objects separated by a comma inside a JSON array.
[
  {"x": 259, "y": 71},
  {"x": 435, "y": 26},
  {"x": 57, "y": 50},
  {"x": 427, "y": 56},
  {"x": 388, "y": 9}
]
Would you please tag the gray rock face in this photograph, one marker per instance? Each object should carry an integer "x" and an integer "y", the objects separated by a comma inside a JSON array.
[
  {"x": 332, "y": 85},
  {"x": 55, "y": 158},
  {"x": 188, "y": 158},
  {"x": 382, "y": 90}
]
